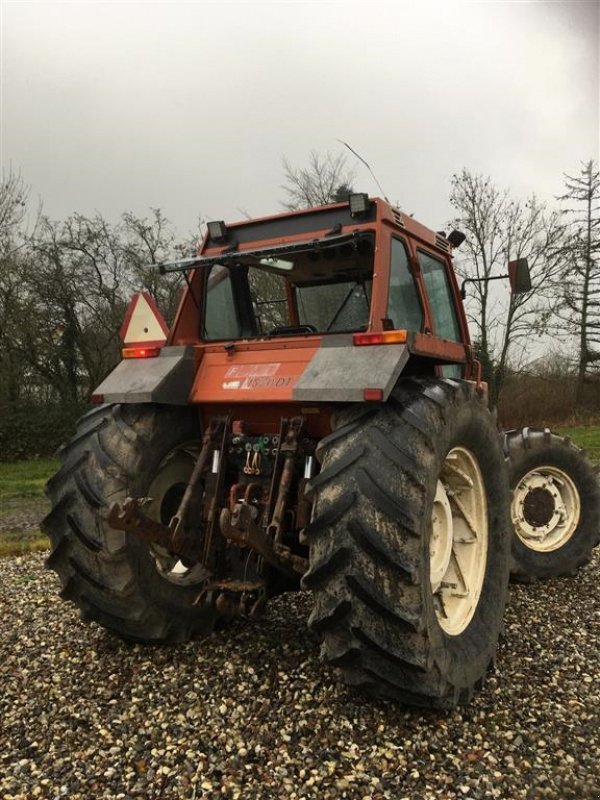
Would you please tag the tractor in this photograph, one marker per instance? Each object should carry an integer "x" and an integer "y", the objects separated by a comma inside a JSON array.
[{"x": 315, "y": 419}]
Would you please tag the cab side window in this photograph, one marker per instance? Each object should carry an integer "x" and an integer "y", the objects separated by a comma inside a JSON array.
[
  {"x": 441, "y": 300},
  {"x": 221, "y": 320},
  {"x": 404, "y": 308}
]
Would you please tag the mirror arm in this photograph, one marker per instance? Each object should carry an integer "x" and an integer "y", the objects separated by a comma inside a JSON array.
[{"x": 463, "y": 290}]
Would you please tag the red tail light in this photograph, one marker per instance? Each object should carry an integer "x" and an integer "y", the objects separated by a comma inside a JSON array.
[
  {"x": 373, "y": 394},
  {"x": 140, "y": 352}
]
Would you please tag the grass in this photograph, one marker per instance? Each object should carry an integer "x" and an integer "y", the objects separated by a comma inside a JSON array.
[
  {"x": 18, "y": 542},
  {"x": 22, "y": 502},
  {"x": 587, "y": 437},
  {"x": 25, "y": 480}
]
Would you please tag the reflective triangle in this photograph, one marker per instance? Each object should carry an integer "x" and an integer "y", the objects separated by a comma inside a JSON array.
[{"x": 143, "y": 322}]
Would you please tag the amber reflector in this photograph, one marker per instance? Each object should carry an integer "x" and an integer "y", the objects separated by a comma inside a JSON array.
[{"x": 381, "y": 337}]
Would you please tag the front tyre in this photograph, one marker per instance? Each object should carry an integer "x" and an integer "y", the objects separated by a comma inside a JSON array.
[
  {"x": 555, "y": 504},
  {"x": 409, "y": 544},
  {"x": 138, "y": 591}
]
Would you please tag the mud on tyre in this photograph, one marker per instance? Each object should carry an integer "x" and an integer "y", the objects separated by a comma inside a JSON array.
[
  {"x": 555, "y": 504},
  {"x": 387, "y": 511},
  {"x": 125, "y": 585}
]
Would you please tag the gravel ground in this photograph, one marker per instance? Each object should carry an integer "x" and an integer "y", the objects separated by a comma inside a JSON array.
[{"x": 251, "y": 713}]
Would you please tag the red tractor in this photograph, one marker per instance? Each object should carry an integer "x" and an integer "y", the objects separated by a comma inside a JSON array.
[{"x": 316, "y": 418}]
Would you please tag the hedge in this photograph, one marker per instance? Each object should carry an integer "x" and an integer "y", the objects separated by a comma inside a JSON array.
[{"x": 31, "y": 431}]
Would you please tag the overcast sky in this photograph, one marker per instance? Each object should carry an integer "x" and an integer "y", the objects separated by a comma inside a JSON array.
[{"x": 190, "y": 107}]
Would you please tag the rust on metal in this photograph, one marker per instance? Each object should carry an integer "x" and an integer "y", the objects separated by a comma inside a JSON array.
[
  {"x": 241, "y": 529},
  {"x": 180, "y": 534},
  {"x": 234, "y": 597},
  {"x": 130, "y": 518},
  {"x": 215, "y": 499},
  {"x": 176, "y": 536},
  {"x": 289, "y": 450}
]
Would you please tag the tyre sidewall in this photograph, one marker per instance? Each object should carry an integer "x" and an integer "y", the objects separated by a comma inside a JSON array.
[
  {"x": 467, "y": 655},
  {"x": 169, "y": 430}
]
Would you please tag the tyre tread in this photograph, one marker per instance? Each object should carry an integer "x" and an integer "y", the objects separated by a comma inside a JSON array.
[
  {"x": 368, "y": 608},
  {"x": 101, "y": 458}
]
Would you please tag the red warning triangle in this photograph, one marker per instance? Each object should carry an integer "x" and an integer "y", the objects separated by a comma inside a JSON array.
[{"x": 143, "y": 323}]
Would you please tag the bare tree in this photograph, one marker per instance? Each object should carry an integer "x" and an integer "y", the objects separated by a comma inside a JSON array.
[
  {"x": 499, "y": 229},
  {"x": 580, "y": 309},
  {"x": 13, "y": 210},
  {"x": 326, "y": 179},
  {"x": 13, "y": 207},
  {"x": 80, "y": 276},
  {"x": 148, "y": 241}
]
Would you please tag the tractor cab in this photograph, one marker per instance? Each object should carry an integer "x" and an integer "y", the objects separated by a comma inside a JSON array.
[{"x": 360, "y": 267}]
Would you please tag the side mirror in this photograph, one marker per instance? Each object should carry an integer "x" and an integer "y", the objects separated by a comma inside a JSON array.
[
  {"x": 519, "y": 276},
  {"x": 456, "y": 238}
]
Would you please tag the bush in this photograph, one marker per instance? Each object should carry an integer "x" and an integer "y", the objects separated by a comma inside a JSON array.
[
  {"x": 545, "y": 400},
  {"x": 29, "y": 431}
]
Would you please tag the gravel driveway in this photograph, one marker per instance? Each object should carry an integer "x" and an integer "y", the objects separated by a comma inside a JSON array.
[{"x": 251, "y": 713}]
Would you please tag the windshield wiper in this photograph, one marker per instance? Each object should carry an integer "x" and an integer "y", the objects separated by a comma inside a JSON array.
[{"x": 343, "y": 305}]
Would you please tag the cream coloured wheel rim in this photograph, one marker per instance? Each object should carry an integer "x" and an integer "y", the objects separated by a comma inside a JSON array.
[
  {"x": 164, "y": 495},
  {"x": 545, "y": 509},
  {"x": 458, "y": 542}
]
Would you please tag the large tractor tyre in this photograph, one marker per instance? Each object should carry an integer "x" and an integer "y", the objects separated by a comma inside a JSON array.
[
  {"x": 409, "y": 544},
  {"x": 136, "y": 590},
  {"x": 555, "y": 504}
]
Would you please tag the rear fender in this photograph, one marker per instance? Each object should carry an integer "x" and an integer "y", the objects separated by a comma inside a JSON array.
[{"x": 167, "y": 378}]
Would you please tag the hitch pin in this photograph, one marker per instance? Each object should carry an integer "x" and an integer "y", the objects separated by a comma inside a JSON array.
[{"x": 309, "y": 467}]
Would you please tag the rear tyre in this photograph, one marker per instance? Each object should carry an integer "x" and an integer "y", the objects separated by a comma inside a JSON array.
[
  {"x": 555, "y": 504},
  {"x": 409, "y": 544},
  {"x": 135, "y": 590}
]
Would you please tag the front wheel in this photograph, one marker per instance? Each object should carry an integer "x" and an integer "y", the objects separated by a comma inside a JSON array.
[
  {"x": 555, "y": 504},
  {"x": 409, "y": 544}
]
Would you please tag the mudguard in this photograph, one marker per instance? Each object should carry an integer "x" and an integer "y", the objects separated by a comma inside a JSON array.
[
  {"x": 334, "y": 372},
  {"x": 167, "y": 378}
]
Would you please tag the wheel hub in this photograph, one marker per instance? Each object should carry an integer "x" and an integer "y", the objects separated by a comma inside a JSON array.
[
  {"x": 545, "y": 508},
  {"x": 459, "y": 541},
  {"x": 164, "y": 495},
  {"x": 539, "y": 507}
]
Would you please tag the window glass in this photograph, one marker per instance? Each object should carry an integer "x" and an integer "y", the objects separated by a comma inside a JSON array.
[
  {"x": 342, "y": 306},
  {"x": 452, "y": 371},
  {"x": 404, "y": 308},
  {"x": 267, "y": 291},
  {"x": 441, "y": 301},
  {"x": 332, "y": 283},
  {"x": 220, "y": 319}
]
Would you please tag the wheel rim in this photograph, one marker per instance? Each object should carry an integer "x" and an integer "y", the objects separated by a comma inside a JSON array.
[
  {"x": 164, "y": 494},
  {"x": 545, "y": 509},
  {"x": 458, "y": 541}
]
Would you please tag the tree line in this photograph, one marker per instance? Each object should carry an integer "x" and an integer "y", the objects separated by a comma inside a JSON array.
[
  {"x": 64, "y": 288},
  {"x": 64, "y": 285}
]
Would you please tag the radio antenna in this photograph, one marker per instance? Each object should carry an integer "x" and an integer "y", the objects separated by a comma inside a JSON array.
[{"x": 360, "y": 158}]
